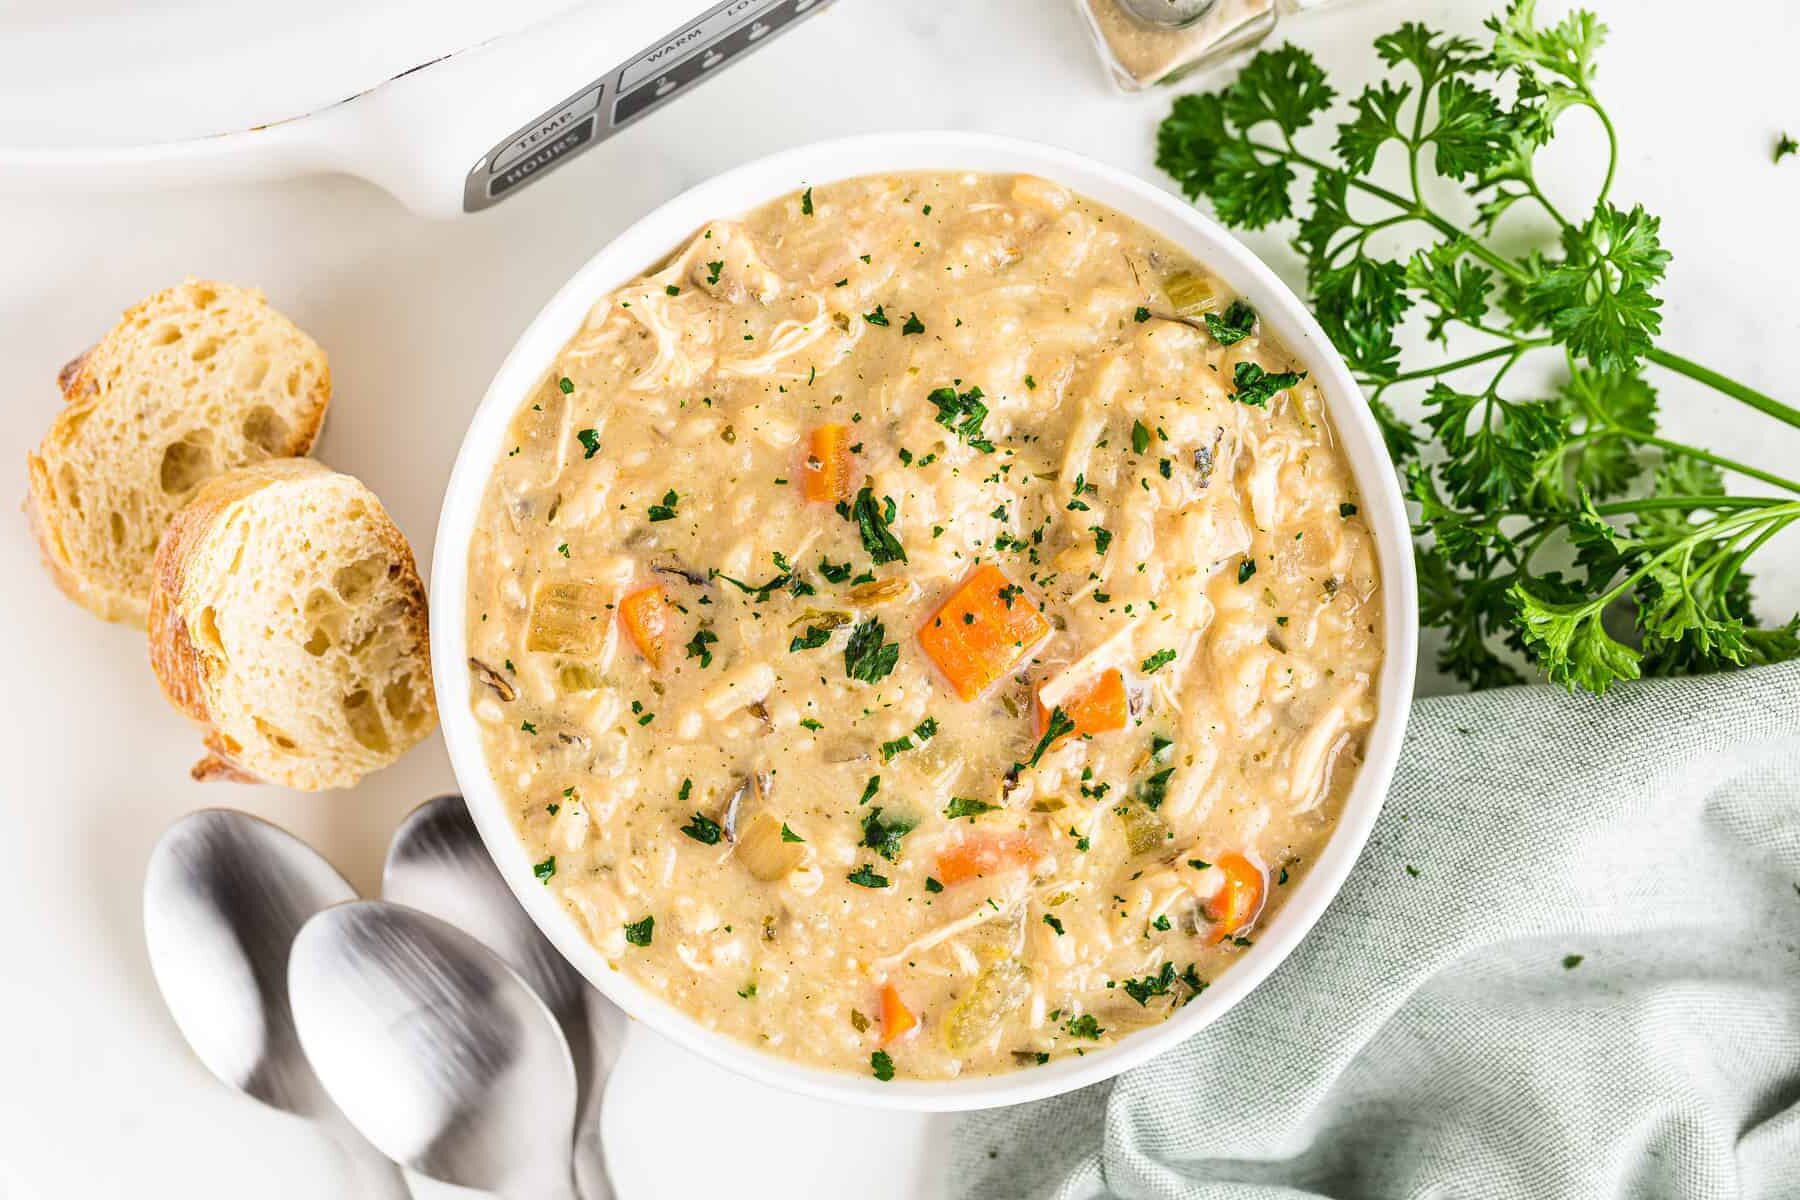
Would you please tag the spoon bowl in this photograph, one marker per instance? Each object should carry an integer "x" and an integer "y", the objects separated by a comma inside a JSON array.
[
  {"x": 438, "y": 865},
  {"x": 225, "y": 894},
  {"x": 436, "y": 1051}
]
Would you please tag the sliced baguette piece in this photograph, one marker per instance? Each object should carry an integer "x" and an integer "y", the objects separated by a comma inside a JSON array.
[
  {"x": 195, "y": 380},
  {"x": 288, "y": 619}
]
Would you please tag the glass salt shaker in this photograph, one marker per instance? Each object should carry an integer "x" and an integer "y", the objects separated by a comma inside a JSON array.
[{"x": 1147, "y": 42}]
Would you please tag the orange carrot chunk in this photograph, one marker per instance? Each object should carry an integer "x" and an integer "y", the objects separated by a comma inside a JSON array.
[
  {"x": 985, "y": 854},
  {"x": 825, "y": 467},
  {"x": 896, "y": 1019},
  {"x": 647, "y": 617},
  {"x": 1102, "y": 708},
  {"x": 1240, "y": 900},
  {"x": 986, "y": 628}
]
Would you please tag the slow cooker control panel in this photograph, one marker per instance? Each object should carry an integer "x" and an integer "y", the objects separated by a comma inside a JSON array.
[{"x": 641, "y": 84}]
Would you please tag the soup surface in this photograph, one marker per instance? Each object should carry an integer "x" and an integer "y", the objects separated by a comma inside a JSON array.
[{"x": 924, "y": 627}]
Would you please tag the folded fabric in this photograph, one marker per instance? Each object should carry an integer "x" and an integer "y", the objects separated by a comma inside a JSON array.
[{"x": 1566, "y": 965}]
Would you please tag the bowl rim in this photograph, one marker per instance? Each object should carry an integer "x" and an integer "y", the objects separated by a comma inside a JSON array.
[{"x": 745, "y": 187}]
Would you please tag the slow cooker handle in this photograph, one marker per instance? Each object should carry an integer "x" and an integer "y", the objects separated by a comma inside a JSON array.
[{"x": 463, "y": 132}]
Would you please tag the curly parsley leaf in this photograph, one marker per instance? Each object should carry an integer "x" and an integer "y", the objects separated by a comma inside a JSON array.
[{"x": 1598, "y": 299}]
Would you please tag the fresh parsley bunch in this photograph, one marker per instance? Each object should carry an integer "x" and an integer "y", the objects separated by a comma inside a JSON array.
[{"x": 1564, "y": 526}]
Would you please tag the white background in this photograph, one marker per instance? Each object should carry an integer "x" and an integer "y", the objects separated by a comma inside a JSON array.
[{"x": 98, "y": 1097}]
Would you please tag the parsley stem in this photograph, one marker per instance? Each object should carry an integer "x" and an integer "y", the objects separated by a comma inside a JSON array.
[
  {"x": 1750, "y": 548},
  {"x": 1731, "y": 387},
  {"x": 1735, "y": 525},
  {"x": 1716, "y": 460},
  {"x": 1621, "y": 508},
  {"x": 1417, "y": 209},
  {"x": 1512, "y": 346},
  {"x": 1612, "y": 152}
]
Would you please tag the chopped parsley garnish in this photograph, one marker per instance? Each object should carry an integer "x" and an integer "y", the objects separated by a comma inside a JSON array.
[
  {"x": 811, "y": 723},
  {"x": 666, "y": 510},
  {"x": 869, "y": 789},
  {"x": 865, "y": 876},
  {"x": 913, "y": 325},
  {"x": 872, "y": 521},
  {"x": 788, "y": 835},
  {"x": 1151, "y": 985},
  {"x": 1255, "y": 385},
  {"x": 834, "y": 572},
  {"x": 925, "y": 730},
  {"x": 963, "y": 413},
  {"x": 562, "y": 548},
  {"x": 1571, "y": 961},
  {"x": 883, "y": 837},
  {"x": 1246, "y": 569},
  {"x": 867, "y": 656},
  {"x": 1784, "y": 146},
  {"x": 1346, "y": 509},
  {"x": 639, "y": 933},
  {"x": 1102, "y": 538},
  {"x": 1085, "y": 1026},
  {"x": 1030, "y": 384},
  {"x": 932, "y": 885},
  {"x": 1237, "y": 324},
  {"x": 1053, "y": 923},
  {"x": 1161, "y": 924},
  {"x": 812, "y": 639},
  {"x": 671, "y": 290},
  {"x": 878, "y": 317},
  {"x": 545, "y": 869},
  {"x": 527, "y": 727},
  {"x": 566, "y": 384},
  {"x": 1141, "y": 314},
  {"x": 1140, "y": 437},
  {"x": 590, "y": 441},
  {"x": 806, "y": 208},
  {"x": 966, "y": 806},
  {"x": 1059, "y": 724},
  {"x": 1157, "y": 662},
  {"x": 699, "y": 646},
  {"x": 713, "y": 269},
  {"x": 881, "y": 1065},
  {"x": 1155, "y": 789},
  {"x": 703, "y": 829}
]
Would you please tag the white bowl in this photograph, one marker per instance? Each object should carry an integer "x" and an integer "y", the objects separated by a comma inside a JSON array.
[{"x": 746, "y": 188}]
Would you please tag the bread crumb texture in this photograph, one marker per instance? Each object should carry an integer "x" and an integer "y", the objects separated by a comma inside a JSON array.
[
  {"x": 194, "y": 381},
  {"x": 287, "y": 617}
]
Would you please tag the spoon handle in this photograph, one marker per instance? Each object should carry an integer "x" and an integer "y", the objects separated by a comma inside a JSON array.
[
  {"x": 423, "y": 1187},
  {"x": 369, "y": 1172}
]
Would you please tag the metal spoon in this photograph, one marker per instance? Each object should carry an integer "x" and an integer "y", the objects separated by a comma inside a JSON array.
[
  {"x": 1168, "y": 14},
  {"x": 224, "y": 895},
  {"x": 436, "y": 1051},
  {"x": 438, "y": 865}
]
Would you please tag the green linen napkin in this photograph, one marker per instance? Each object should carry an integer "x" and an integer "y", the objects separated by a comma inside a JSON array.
[{"x": 1591, "y": 988}]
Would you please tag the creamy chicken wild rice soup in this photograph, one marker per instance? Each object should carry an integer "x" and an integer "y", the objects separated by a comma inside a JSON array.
[{"x": 924, "y": 627}]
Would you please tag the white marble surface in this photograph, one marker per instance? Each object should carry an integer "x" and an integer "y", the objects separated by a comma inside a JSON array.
[{"x": 97, "y": 1095}]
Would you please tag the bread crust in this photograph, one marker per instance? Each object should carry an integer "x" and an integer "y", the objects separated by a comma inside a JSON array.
[
  {"x": 81, "y": 393},
  {"x": 186, "y": 671}
]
